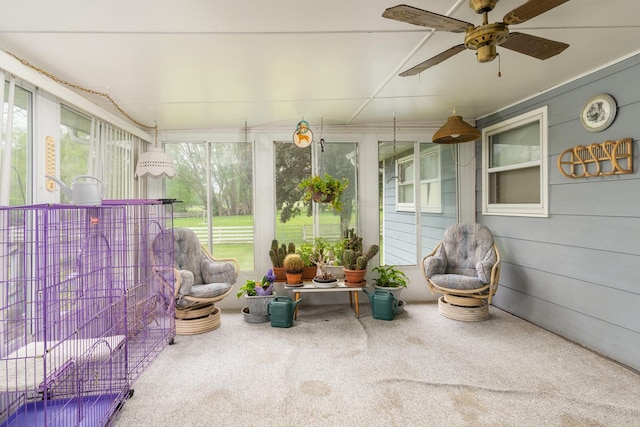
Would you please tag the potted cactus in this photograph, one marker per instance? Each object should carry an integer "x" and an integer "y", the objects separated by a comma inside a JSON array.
[
  {"x": 354, "y": 260},
  {"x": 293, "y": 265},
  {"x": 277, "y": 253}
]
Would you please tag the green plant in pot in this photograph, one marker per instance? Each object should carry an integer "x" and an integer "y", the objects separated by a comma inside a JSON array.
[
  {"x": 258, "y": 294},
  {"x": 307, "y": 252},
  {"x": 389, "y": 276},
  {"x": 277, "y": 253},
  {"x": 390, "y": 279},
  {"x": 322, "y": 258},
  {"x": 354, "y": 261},
  {"x": 324, "y": 189},
  {"x": 293, "y": 265}
]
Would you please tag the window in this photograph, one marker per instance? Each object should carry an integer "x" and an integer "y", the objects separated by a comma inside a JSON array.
[
  {"x": 404, "y": 172},
  {"x": 16, "y": 144},
  {"x": 407, "y": 234},
  {"x": 514, "y": 168},
  {"x": 430, "y": 188},
  {"x": 75, "y": 142},
  {"x": 300, "y": 222},
  {"x": 214, "y": 182}
]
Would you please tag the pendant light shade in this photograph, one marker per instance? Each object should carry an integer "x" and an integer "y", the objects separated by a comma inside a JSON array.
[
  {"x": 155, "y": 163},
  {"x": 454, "y": 131}
]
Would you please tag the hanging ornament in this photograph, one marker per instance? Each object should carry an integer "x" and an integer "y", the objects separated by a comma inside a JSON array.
[{"x": 303, "y": 136}]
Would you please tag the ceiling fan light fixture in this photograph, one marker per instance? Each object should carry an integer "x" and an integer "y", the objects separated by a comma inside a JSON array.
[
  {"x": 155, "y": 163},
  {"x": 454, "y": 131}
]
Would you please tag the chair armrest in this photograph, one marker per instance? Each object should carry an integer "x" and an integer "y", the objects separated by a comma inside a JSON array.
[
  {"x": 485, "y": 265},
  {"x": 218, "y": 270},
  {"x": 435, "y": 262}
]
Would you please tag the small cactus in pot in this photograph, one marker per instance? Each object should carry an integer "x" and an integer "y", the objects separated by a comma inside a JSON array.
[{"x": 293, "y": 265}]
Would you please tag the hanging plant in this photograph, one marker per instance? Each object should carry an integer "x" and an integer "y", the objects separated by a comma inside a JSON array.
[{"x": 324, "y": 189}]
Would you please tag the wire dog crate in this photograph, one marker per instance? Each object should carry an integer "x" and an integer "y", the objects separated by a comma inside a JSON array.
[
  {"x": 80, "y": 317},
  {"x": 150, "y": 306}
]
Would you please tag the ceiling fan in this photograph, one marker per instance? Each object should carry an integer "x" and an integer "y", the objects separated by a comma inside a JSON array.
[{"x": 485, "y": 37}]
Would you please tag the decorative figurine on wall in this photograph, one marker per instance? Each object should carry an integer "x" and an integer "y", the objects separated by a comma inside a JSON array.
[{"x": 303, "y": 136}]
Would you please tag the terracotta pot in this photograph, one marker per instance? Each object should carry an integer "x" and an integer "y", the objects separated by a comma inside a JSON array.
[
  {"x": 354, "y": 276},
  {"x": 280, "y": 273},
  {"x": 308, "y": 273},
  {"x": 294, "y": 278}
]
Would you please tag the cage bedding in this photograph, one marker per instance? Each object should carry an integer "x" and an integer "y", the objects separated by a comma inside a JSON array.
[{"x": 24, "y": 369}]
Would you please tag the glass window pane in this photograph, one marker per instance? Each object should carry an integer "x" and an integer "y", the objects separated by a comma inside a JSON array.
[
  {"x": 430, "y": 195},
  {"x": 75, "y": 132},
  {"x": 430, "y": 166},
  {"x": 228, "y": 195},
  {"x": 299, "y": 222},
  {"x": 518, "y": 145},
  {"x": 14, "y": 181},
  {"x": 515, "y": 186},
  {"x": 405, "y": 193},
  {"x": 405, "y": 171}
]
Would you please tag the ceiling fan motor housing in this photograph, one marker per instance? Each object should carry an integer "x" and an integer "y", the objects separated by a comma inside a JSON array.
[
  {"x": 485, "y": 38},
  {"x": 481, "y": 6}
]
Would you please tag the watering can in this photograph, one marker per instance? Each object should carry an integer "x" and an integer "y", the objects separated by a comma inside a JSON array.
[
  {"x": 281, "y": 310},
  {"x": 82, "y": 192},
  {"x": 384, "y": 305}
]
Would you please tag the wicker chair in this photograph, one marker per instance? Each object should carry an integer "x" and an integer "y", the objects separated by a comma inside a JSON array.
[
  {"x": 198, "y": 279},
  {"x": 465, "y": 268}
]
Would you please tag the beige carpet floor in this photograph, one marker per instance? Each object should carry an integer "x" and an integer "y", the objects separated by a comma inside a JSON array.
[{"x": 420, "y": 369}]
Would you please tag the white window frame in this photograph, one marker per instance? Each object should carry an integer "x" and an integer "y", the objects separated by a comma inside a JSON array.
[{"x": 540, "y": 209}]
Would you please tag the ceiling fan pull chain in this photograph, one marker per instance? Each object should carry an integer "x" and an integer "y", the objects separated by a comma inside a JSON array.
[{"x": 499, "y": 73}]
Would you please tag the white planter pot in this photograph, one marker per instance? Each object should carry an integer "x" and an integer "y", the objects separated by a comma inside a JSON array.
[{"x": 258, "y": 304}]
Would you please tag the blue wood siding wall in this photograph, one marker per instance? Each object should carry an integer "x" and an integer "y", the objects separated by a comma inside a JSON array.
[{"x": 576, "y": 272}]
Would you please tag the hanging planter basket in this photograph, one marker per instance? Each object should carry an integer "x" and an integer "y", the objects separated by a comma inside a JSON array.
[
  {"x": 324, "y": 189},
  {"x": 319, "y": 197}
]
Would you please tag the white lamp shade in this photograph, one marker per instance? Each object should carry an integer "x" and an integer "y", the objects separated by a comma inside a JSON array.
[{"x": 156, "y": 163}]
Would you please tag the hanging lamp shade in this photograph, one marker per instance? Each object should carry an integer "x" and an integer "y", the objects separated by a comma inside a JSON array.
[
  {"x": 455, "y": 130},
  {"x": 155, "y": 163}
]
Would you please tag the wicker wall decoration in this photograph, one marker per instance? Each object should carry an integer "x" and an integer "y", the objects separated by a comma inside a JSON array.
[{"x": 604, "y": 159}]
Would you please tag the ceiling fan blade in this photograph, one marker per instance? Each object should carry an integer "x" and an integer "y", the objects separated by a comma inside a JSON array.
[
  {"x": 433, "y": 61},
  {"x": 413, "y": 15},
  {"x": 537, "y": 47},
  {"x": 529, "y": 10}
]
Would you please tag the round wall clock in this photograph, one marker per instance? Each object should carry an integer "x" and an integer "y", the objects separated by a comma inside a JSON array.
[{"x": 598, "y": 113}]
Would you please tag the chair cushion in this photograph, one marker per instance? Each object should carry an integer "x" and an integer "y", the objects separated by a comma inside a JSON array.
[
  {"x": 210, "y": 290},
  {"x": 465, "y": 245},
  {"x": 217, "y": 271},
  {"x": 456, "y": 281},
  {"x": 484, "y": 266},
  {"x": 436, "y": 263},
  {"x": 188, "y": 253}
]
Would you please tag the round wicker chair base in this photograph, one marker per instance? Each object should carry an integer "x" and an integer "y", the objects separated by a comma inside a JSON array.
[
  {"x": 463, "y": 301},
  {"x": 195, "y": 312},
  {"x": 462, "y": 313},
  {"x": 199, "y": 325}
]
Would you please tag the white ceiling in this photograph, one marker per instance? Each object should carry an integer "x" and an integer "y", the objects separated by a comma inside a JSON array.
[{"x": 208, "y": 64}]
